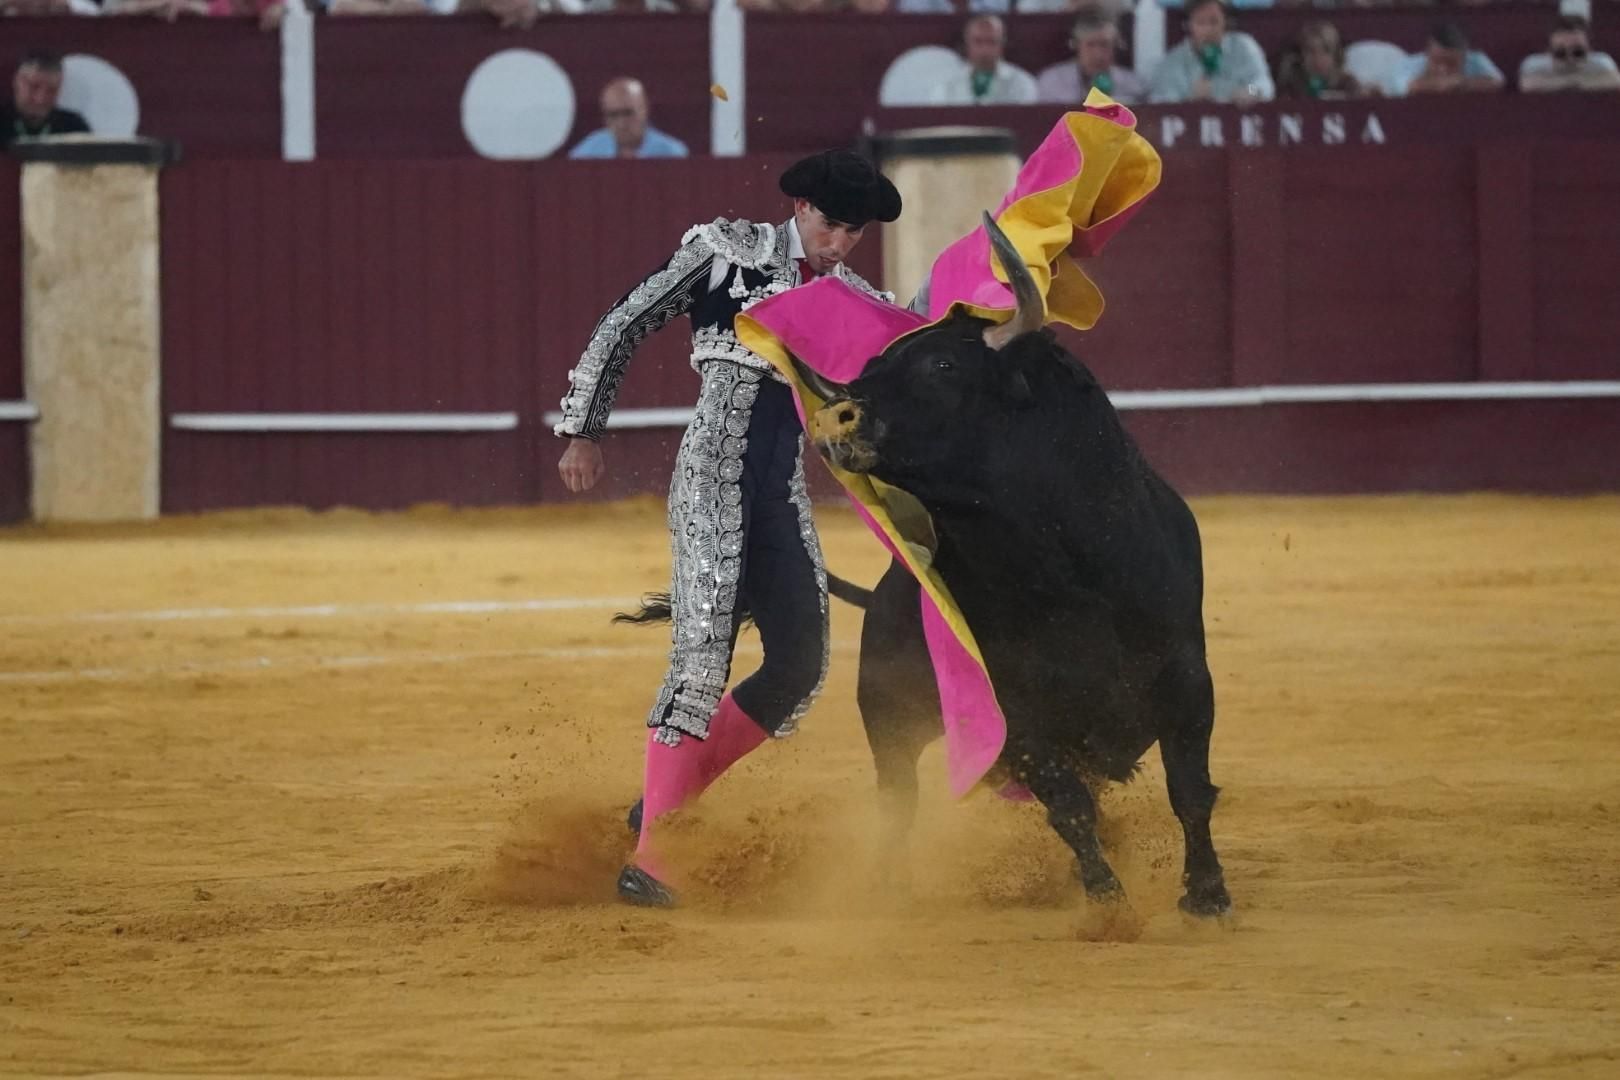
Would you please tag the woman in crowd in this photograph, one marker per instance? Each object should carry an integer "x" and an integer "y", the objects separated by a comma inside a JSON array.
[{"x": 1313, "y": 66}]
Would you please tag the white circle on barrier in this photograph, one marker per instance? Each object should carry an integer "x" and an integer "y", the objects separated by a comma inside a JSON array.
[
  {"x": 100, "y": 93},
  {"x": 915, "y": 73},
  {"x": 518, "y": 105}
]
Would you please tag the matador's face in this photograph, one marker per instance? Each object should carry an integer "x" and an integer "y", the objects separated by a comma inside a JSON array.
[{"x": 827, "y": 241}]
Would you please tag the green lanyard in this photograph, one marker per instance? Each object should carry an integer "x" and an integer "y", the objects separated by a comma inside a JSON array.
[
  {"x": 981, "y": 82},
  {"x": 1210, "y": 57}
]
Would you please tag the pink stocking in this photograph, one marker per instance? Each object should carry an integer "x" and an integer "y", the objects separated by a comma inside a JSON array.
[{"x": 677, "y": 775}]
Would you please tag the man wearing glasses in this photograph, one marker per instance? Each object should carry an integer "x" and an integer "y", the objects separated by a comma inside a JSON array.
[
  {"x": 1569, "y": 62},
  {"x": 627, "y": 134}
]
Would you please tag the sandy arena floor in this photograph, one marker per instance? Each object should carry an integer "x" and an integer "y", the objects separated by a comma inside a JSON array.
[{"x": 265, "y": 812}]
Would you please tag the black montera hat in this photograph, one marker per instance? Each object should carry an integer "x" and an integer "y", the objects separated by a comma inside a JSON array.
[{"x": 843, "y": 185}]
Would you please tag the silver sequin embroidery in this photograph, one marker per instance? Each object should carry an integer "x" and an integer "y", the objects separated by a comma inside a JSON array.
[
  {"x": 594, "y": 382},
  {"x": 706, "y": 538}
]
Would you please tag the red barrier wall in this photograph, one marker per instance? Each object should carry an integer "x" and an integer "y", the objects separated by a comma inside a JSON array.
[
  {"x": 473, "y": 286},
  {"x": 415, "y": 286}
]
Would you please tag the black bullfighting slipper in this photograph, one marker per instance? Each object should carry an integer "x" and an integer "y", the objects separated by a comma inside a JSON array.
[
  {"x": 640, "y": 888},
  {"x": 634, "y": 819}
]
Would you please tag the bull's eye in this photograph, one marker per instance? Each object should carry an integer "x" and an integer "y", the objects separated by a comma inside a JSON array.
[{"x": 942, "y": 364}]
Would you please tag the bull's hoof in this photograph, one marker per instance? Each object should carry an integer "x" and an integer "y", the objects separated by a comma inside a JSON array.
[
  {"x": 1207, "y": 901},
  {"x": 1101, "y": 886},
  {"x": 634, "y": 818},
  {"x": 640, "y": 888},
  {"x": 1112, "y": 920}
]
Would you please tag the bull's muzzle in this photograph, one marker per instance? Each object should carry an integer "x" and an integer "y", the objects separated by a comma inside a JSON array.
[{"x": 836, "y": 430}]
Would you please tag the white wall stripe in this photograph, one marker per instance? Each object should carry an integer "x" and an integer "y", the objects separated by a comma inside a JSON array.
[
  {"x": 18, "y": 410},
  {"x": 297, "y": 84},
  {"x": 728, "y": 30},
  {"x": 350, "y": 422},
  {"x": 331, "y": 611},
  {"x": 1247, "y": 397}
]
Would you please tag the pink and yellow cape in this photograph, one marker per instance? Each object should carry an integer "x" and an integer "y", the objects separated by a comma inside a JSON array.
[{"x": 1084, "y": 182}]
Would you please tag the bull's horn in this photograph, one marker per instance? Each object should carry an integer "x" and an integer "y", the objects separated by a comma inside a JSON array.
[
  {"x": 1031, "y": 309},
  {"x": 819, "y": 384}
]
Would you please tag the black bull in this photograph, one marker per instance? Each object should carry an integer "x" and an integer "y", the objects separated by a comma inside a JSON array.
[{"x": 1077, "y": 567}]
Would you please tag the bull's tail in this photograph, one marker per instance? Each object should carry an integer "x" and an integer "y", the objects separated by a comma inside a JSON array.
[
  {"x": 655, "y": 607},
  {"x": 849, "y": 592}
]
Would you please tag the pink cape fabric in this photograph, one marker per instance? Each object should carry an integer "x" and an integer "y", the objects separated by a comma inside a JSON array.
[
  {"x": 1056, "y": 208},
  {"x": 974, "y": 726}
]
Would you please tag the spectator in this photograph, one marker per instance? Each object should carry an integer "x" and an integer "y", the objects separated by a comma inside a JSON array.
[
  {"x": 268, "y": 12},
  {"x": 168, "y": 10},
  {"x": 1240, "y": 5},
  {"x": 47, "y": 7},
  {"x": 32, "y": 110},
  {"x": 1313, "y": 67},
  {"x": 993, "y": 7},
  {"x": 627, "y": 134},
  {"x": 985, "y": 78},
  {"x": 511, "y": 14},
  {"x": 1095, "y": 41},
  {"x": 1212, "y": 63},
  {"x": 658, "y": 7},
  {"x": 1446, "y": 66},
  {"x": 380, "y": 7},
  {"x": 1569, "y": 62}
]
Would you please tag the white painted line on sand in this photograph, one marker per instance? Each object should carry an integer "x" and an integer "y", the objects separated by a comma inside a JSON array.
[
  {"x": 258, "y": 664},
  {"x": 329, "y": 611},
  {"x": 249, "y": 665}
]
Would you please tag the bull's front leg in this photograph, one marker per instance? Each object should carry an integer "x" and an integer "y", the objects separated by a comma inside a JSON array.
[
  {"x": 899, "y": 702},
  {"x": 1071, "y": 811},
  {"x": 897, "y": 731}
]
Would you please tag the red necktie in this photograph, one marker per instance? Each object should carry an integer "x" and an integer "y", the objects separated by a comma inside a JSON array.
[{"x": 805, "y": 273}]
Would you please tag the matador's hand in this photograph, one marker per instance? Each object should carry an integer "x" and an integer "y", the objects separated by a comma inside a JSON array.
[{"x": 581, "y": 465}]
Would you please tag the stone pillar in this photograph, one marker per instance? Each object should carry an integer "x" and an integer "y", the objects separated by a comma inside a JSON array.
[
  {"x": 947, "y": 177},
  {"x": 90, "y": 324}
]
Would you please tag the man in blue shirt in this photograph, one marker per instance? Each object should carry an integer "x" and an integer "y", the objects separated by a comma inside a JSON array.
[
  {"x": 627, "y": 135},
  {"x": 1446, "y": 66}
]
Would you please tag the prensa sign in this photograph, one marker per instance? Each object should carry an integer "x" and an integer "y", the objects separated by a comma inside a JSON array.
[{"x": 1174, "y": 130}]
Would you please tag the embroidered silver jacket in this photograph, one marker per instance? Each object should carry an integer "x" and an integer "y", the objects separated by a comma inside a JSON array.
[{"x": 672, "y": 290}]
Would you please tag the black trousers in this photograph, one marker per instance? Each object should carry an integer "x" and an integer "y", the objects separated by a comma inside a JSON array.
[{"x": 783, "y": 586}]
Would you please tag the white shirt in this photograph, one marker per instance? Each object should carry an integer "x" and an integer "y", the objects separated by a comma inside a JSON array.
[
  {"x": 1010, "y": 85},
  {"x": 1544, "y": 64}
]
